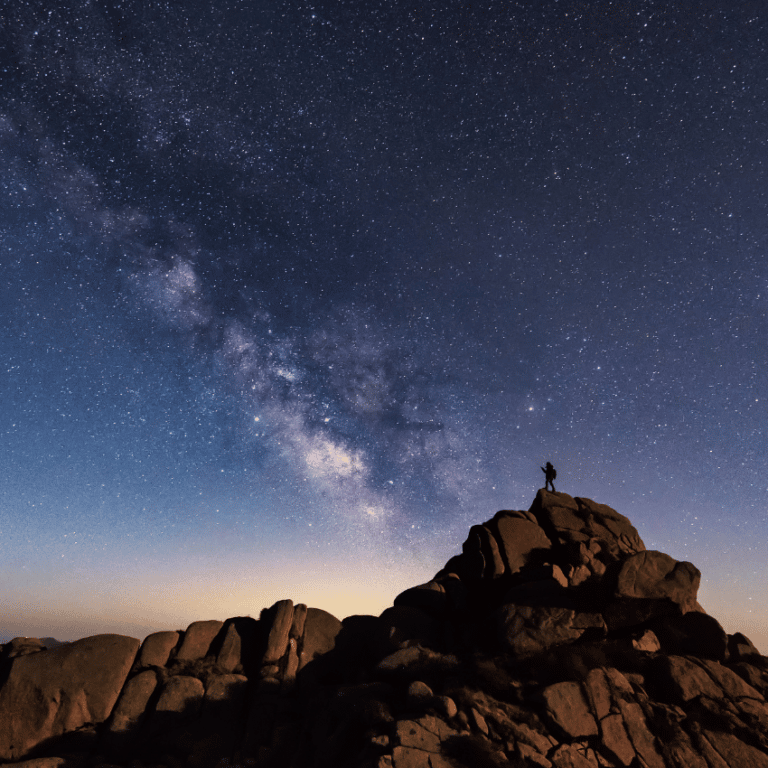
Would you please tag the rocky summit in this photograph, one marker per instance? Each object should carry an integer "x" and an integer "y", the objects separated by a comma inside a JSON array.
[{"x": 555, "y": 638}]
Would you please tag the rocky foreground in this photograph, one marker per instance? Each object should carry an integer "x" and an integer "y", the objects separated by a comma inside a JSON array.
[{"x": 554, "y": 639}]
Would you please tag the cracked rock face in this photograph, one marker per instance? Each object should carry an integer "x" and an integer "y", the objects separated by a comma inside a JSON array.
[{"x": 553, "y": 638}]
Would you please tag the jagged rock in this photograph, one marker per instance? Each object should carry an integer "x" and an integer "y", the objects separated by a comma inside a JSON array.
[
  {"x": 197, "y": 640},
  {"x": 572, "y": 521},
  {"x": 685, "y": 679},
  {"x": 156, "y": 649},
  {"x": 757, "y": 678},
  {"x": 734, "y": 752},
  {"x": 568, "y": 708},
  {"x": 530, "y": 755},
  {"x": 568, "y": 756},
  {"x": 477, "y": 721},
  {"x": 615, "y": 739},
  {"x": 733, "y": 685},
  {"x": 642, "y": 739},
  {"x": 679, "y": 749},
  {"x": 53, "y": 692},
  {"x": 526, "y": 735},
  {"x": 464, "y": 669}
]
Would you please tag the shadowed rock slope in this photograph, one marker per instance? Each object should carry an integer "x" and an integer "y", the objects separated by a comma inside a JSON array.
[{"x": 554, "y": 639}]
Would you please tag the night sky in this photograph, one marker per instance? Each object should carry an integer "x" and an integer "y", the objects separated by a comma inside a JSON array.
[{"x": 294, "y": 294}]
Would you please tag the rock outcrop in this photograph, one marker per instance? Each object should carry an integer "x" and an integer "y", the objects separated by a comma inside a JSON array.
[{"x": 555, "y": 639}]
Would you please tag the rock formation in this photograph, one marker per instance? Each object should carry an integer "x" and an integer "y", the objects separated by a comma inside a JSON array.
[{"x": 554, "y": 640}]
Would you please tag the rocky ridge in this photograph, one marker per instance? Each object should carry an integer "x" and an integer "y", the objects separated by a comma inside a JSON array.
[{"x": 555, "y": 639}]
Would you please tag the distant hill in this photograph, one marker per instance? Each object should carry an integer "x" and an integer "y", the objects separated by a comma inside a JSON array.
[{"x": 48, "y": 642}]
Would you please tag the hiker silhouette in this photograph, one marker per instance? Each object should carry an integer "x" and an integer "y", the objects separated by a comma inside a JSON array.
[{"x": 550, "y": 473}]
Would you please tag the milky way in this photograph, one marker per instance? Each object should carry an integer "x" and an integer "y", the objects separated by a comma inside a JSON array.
[{"x": 294, "y": 294}]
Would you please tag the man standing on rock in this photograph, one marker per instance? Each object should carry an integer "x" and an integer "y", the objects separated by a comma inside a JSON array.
[{"x": 550, "y": 473}]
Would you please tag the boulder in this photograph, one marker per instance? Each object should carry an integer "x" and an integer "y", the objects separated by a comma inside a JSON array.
[
  {"x": 297, "y": 623},
  {"x": 225, "y": 696},
  {"x": 732, "y": 684},
  {"x": 197, "y": 640},
  {"x": 684, "y": 680},
  {"x": 419, "y": 694},
  {"x": 528, "y": 629},
  {"x": 519, "y": 538},
  {"x": 647, "y": 641},
  {"x": 406, "y": 623},
  {"x": 218, "y": 730},
  {"x": 430, "y": 597},
  {"x": 656, "y": 576},
  {"x": 180, "y": 701},
  {"x": 693, "y": 633},
  {"x": 239, "y": 646},
  {"x": 572, "y": 522},
  {"x": 320, "y": 631},
  {"x": 610, "y": 527},
  {"x": 277, "y": 640},
  {"x": 558, "y": 515},
  {"x": 156, "y": 649},
  {"x": 481, "y": 554},
  {"x": 53, "y": 692},
  {"x": 756, "y": 677},
  {"x": 741, "y": 647},
  {"x": 401, "y": 660},
  {"x": 132, "y": 704}
]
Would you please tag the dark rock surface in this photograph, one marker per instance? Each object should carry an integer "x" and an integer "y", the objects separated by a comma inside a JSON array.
[{"x": 554, "y": 639}]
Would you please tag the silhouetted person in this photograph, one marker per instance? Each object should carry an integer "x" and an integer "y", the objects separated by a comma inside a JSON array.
[{"x": 550, "y": 473}]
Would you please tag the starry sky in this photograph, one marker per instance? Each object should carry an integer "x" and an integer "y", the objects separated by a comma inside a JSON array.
[{"x": 294, "y": 293}]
